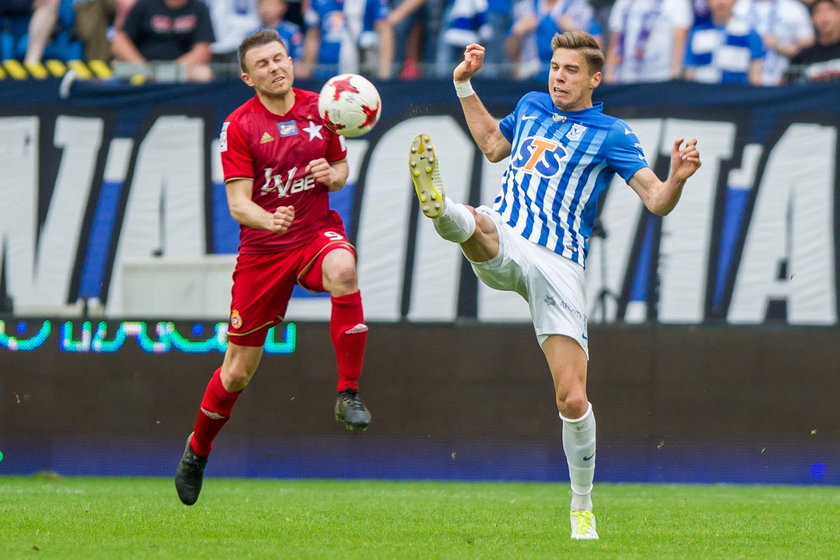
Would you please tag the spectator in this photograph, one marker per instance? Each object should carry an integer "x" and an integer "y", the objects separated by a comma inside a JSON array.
[
  {"x": 821, "y": 61},
  {"x": 347, "y": 37},
  {"x": 96, "y": 22},
  {"x": 167, "y": 30},
  {"x": 785, "y": 29},
  {"x": 535, "y": 23},
  {"x": 41, "y": 24},
  {"x": 647, "y": 40},
  {"x": 500, "y": 19},
  {"x": 416, "y": 26},
  {"x": 232, "y": 20},
  {"x": 466, "y": 23},
  {"x": 271, "y": 13},
  {"x": 723, "y": 49}
]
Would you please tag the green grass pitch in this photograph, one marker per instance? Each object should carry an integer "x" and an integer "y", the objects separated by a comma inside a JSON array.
[{"x": 114, "y": 518}]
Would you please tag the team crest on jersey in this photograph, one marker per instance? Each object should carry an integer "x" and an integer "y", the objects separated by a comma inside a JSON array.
[
  {"x": 576, "y": 132},
  {"x": 539, "y": 155},
  {"x": 235, "y": 319},
  {"x": 288, "y": 128}
]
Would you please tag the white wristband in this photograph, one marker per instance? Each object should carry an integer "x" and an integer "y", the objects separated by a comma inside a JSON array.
[{"x": 463, "y": 89}]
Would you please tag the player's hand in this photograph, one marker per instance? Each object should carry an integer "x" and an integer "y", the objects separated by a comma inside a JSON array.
[
  {"x": 282, "y": 219},
  {"x": 472, "y": 63},
  {"x": 685, "y": 159},
  {"x": 321, "y": 171}
]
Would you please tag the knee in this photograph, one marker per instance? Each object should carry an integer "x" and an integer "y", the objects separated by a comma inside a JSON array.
[
  {"x": 572, "y": 405},
  {"x": 235, "y": 378},
  {"x": 342, "y": 279}
]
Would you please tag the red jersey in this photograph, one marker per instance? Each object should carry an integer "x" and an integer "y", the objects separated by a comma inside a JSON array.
[{"x": 274, "y": 151}]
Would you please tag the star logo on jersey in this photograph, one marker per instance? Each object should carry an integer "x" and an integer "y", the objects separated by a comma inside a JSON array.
[
  {"x": 266, "y": 137},
  {"x": 576, "y": 132},
  {"x": 314, "y": 131},
  {"x": 288, "y": 128}
]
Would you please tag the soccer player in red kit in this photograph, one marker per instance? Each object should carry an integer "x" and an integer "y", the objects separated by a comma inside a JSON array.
[{"x": 280, "y": 162}]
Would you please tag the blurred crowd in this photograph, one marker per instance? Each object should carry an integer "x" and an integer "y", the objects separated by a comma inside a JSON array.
[{"x": 760, "y": 42}]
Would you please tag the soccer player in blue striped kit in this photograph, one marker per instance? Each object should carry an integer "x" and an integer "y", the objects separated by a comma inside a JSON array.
[{"x": 564, "y": 151}]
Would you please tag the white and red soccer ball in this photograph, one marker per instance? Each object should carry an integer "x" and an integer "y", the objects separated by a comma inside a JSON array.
[{"x": 349, "y": 105}]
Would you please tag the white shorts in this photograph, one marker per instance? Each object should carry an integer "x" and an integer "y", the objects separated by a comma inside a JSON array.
[{"x": 550, "y": 283}]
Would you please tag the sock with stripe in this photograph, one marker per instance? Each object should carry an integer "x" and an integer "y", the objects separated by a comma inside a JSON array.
[
  {"x": 579, "y": 446},
  {"x": 349, "y": 335},
  {"x": 213, "y": 413}
]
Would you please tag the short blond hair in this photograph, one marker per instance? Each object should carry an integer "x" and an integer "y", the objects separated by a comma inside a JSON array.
[{"x": 583, "y": 42}]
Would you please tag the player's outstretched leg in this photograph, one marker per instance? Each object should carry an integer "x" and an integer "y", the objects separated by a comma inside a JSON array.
[
  {"x": 425, "y": 173},
  {"x": 454, "y": 222},
  {"x": 350, "y": 409},
  {"x": 583, "y": 525},
  {"x": 190, "y": 474}
]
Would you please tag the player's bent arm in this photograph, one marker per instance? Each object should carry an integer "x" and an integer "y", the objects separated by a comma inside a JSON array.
[
  {"x": 333, "y": 175},
  {"x": 484, "y": 129},
  {"x": 660, "y": 197},
  {"x": 243, "y": 209}
]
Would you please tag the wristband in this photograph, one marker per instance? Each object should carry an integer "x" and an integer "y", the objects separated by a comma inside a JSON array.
[{"x": 463, "y": 89}]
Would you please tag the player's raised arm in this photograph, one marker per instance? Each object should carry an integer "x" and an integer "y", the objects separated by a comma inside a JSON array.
[
  {"x": 483, "y": 127},
  {"x": 660, "y": 197}
]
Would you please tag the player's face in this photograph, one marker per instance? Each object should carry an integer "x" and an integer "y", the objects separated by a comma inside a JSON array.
[
  {"x": 569, "y": 82},
  {"x": 269, "y": 70}
]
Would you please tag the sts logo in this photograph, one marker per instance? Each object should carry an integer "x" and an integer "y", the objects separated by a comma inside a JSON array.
[{"x": 539, "y": 155}]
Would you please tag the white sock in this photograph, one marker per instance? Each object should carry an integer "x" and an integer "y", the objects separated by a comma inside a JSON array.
[
  {"x": 579, "y": 446},
  {"x": 456, "y": 224}
]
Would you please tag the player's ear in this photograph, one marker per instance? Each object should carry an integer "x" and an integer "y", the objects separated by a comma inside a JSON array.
[
  {"x": 247, "y": 79},
  {"x": 595, "y": 80}
]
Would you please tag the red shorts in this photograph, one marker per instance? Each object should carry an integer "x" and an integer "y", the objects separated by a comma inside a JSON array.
[{"x": 263, "y": 283}]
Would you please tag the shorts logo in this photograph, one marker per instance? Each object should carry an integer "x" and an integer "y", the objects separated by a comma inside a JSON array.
[
  {"x": 288, "y": 128},
  {"x": 235, "y": 319}
]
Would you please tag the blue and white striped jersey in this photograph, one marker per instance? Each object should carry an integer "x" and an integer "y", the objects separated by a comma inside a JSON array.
[{"x": 560, "y": 163}]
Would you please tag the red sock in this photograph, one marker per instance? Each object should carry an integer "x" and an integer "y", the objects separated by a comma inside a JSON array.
[
  {"x": 349, "y": 335},
  {"x": 212, "y": 414}
]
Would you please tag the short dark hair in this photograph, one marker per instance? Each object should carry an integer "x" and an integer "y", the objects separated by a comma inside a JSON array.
[
  {"x": 258, "y": 39},
  {"x": 583, "y": 42}
]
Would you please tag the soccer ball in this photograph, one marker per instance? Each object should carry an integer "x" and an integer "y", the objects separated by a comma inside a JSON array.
[{"x": 349, "y": 105}]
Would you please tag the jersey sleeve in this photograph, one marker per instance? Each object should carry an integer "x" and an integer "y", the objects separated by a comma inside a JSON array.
[
  {"x": 624, "y": 151},
  {"x": 508, "y": 124},
  {"x": 236, "y": 157},
  {"x": 336, "y": 147}
]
